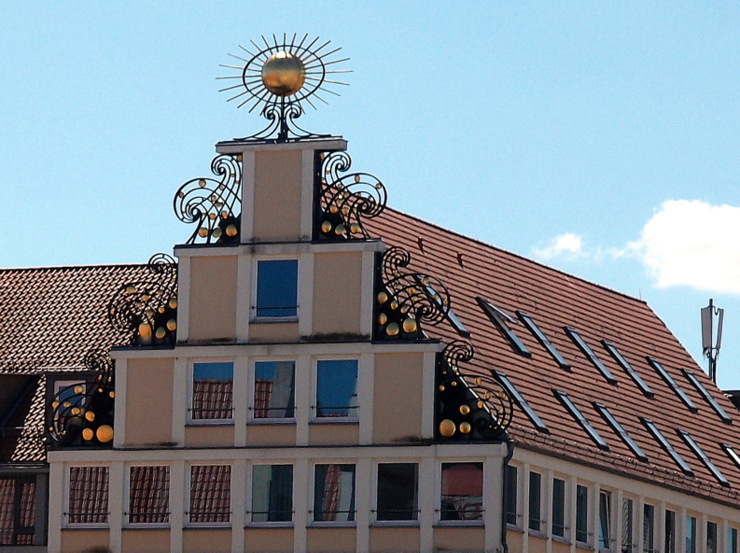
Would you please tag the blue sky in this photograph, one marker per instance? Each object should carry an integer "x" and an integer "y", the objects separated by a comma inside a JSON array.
[{"x": 600, "y": 138}]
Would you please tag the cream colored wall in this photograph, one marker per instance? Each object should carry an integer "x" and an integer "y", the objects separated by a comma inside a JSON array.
[
  {"x": 397, "y": 397},
  {"x": 394, "y": 540},
  {"x": 459, "y": 539},
  {"x": 337, "y": 289},
  {"x": 206, "y": 540},
  {"x": 268, "y": 540},
  {"x": 558, "y": 547},
  {"x": 277, "y": 196},
  {"x": 220, "y": 435},
  {"x": 75, "y": 541},
  {"x": 515, "y": 541},
  {"x": 331, "y": 540},
  {"x": 270, "y": 435},
  {"x": 149, "y": 540},
  {"x": 212, "y": 299},
  {"x": 334, "y": 434},
  {"x": 149, "y": 401},
  {"x": 273, "y": 332}
]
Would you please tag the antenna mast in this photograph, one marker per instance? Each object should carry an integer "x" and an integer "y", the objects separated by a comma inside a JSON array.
[{"x": 709, "y": 346}]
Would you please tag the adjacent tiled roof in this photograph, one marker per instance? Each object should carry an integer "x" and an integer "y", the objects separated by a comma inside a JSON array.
[{"x": 555, "y": 300}]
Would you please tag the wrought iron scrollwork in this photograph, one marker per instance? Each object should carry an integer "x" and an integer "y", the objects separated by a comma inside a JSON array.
[
  {"x": 469, "y": 406},
  {"x": 405, "y": 301},
  {"x": 81, "y": 412},
  {"x": 282, "y": 117},
  {"x": 343, "y": 200},
  {"x": 214, "y": 206},
  {"x": 145, "y": 312}
]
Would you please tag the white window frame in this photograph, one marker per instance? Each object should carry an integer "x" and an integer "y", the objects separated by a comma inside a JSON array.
[
  {"x": 250, "y": 496},
  {"x": 127, "y": 499},
  {"x": 251, "y": 395},
  {"x": 187, "y": 523},
  {"x": 565, "y": 538},
  {"x": 376, "y": 482},
  {"x": 253, "y": 318},
  {"x": 312, "y": 522},
  {"x": 438, "y": 501},
  {"x": 350, "y": 418},
  {"x": 543, "y": 525},
  {"x": 190, "y": 421},
  {"x": 67, "y": 489}
]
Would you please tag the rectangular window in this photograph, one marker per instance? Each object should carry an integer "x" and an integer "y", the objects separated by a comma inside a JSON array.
[
  {"x": 621, "y": 432},
  {"x": 543, "y": 340},
  {"x": 210, "y": 493},
  {"x": 732, "y": 540},
  {"x": 336, "y": 388},
  {"x": 669, "y": 535},
  {"x": 88, "y": 495},
  {"x": 277, "y": 288},
  {"x": 149, "y": 495},
  {"x": 690, "y": 534},
  {"x": 17, "y": 510},
  {"x": 627, "y": 525},
  {"x": 707, "y": 396},
  {"x": 397, "y": 491},
  {"x": 501, "y": 321},
  {"x": 535, "y": 501},
  {"x": 462, "y": 491},
  {"x": 711, "y": 537},
  {"x": 521, "y": 402},
  {"x": 580, "y": 419},
  {"x": 274, "y": 390},
  {"x": 558, "y": 507},
  {"x": 510, "y": 495},
  {"x": 605, "y": 519},
  {"x": 272, "y": 493},
  {"x": 619, "y": 358},
  {"x": 665, "y": 375},
  {"x": 582, "y": 514},
  {"x": 212, "y": 391},
  {"x": 334, "y": 493},
  {"x": 590, "y": 355},
  {"x": 666, "y": 445},
  {"x": 648, "y": 529},
  {"x": 703, "y": 457}
]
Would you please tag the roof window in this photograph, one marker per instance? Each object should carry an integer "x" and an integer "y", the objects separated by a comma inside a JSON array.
[
  {"x": 580, "y": 419},
  {"x": 523, "y": 405},
  {"x": 588, "y": 352},
  {"x": 621, "y": 432},
  {"x": 542, "y": 339},
  {"x": 672, "y": 383},
  {"x": 449, "y": 313},
  {"x": 666, "y": 445},
  {"x": 732, "y": 454},
  {"x": 707, "y": 396},
  {"x": 619, "y": 358},
  {"x": 501, "y": 320},
  {"x": 703, "y": 457}
]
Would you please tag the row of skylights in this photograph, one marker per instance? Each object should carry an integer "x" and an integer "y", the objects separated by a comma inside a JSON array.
[
  {"x": 619, "y": 358},
  {"x": 672, "y": 383},
  {"x": 580, "y": 419},
  {"x": 523, "y": 405},
  {"x": 707, "y": 396}
]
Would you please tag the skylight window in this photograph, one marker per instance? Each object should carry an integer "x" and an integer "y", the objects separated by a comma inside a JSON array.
[
  {"x": 732, "y": 454},
  {"x": 672, "y": 383},
  {"x": 703, "y": 457},
  {"x": 542, "y": 339},
  {"x": 665, "y": 444},
  {"x": 580, "y": 419},
  {"x": 523, "y": 405},
  {"x": 501, "y": 320},
  {"x": 619, "y": 358},
  {"x": 621, "y": 432},
  {"x": 588, "y": 352},
  {"x": 450, "y": 314},
  {"x": 707, "y": 396}
]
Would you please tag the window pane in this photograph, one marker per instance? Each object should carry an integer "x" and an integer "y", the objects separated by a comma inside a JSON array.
[
  {"x": 732, "y": 540},
  {"x": 397, "y": 491},
  {"x": 690, "y": 534},
  {"x": 462, "y": 491},
  {"x": 670, "y": 532},
  {"x": 648, "y": 529},
  {"x": 149, "y": 495},
  {"x": 334, "y": 493},
  {"x": 711, "y": 537},
  {"x": 274, "y": 389},
  {"x": 336, "y": 388},
  {"x": 535, "y": 499},
  {"x": 558, "y": 507},
  {"x": 582, "y": 514},
  {"x": 88, "y": 495},
  {"x": 604, "y": 519},
  {"x": 272, "y": 493},
  {"x": 210, "y": 493},
  {"x": 212, "y": 390},
  {"x": 277, "y": 288},
  {"x": 627, "y": 524},
  {"x": 17, "y": 510},
  {"x": 510, "y": 492}
]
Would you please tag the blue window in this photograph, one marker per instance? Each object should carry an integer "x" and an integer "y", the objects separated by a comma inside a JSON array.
[
  {"x": 212, "y": 391},
  {"x": 336, "y": 388},
  {"x": 274, "y": 390},
  {"x": 277, "y": 288}
]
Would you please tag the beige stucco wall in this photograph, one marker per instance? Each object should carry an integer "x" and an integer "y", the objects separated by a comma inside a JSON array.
[
  {"x": 398, "y": 397},
  {"x": 537, "y": 543},
  {"x": 515, "y": 541},
  {"x": 213, "y": 298},
  {"x": 560, "y": 547},
  {"x": 273, "y": 332},
  {"x": 459, "y": 539},
  {"x": 337, "y": 289},
  {"x": 206, "y": 540},
  {"x": 394, "y": 540},
  {"x": 334, "y": 434},
  {"x": 149, "y": 401},
  {"x": 270, "y": 435},
  {"x": 331, "y": 540},
  {"x": 149, "y": 540},
  {"x": 277, "y": 196},
  {"x": 210, "y": 435},
  {"x": 269, "y": 540},
  {"x": 75, "y": 541}
]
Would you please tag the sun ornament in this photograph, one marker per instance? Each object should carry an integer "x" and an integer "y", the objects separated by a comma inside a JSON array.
[{"x": 280, "y": 76}]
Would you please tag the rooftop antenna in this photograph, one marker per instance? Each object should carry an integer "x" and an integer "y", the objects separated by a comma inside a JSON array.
[{"x": 709, "y": 346}]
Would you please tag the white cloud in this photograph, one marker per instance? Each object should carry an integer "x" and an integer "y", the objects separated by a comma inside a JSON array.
[
  {"x": 568, "y": 246},
  {"x": 692, "y": 243}
]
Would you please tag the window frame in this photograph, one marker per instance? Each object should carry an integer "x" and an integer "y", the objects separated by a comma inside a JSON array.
[
  {"x": 535, "y": 497},
  {"x": 351, "y": 520},
  {"x": 582, "y": 528},
  {"x": 513, "y": 494},
  {"x": 252, "y": 392},
  {"x": 193, "y": 421},
  {"x": 127, "y": 523},
  {"x": 414, "y": 520},
  {"x": 590, "y": 354},
  {"x": 606, "y": 520},
  {"x": 690, "y": 523},
  {"x": 188, "y": 504},
  {"x": 500, "y": 320},
  {"x": 670, "y": 531},
  {"x": 559, "y": 509},
  {"x": 68, "y": 499},
  {"x": 16, "y": 528},
  {"x": 353, "y": 411},
  {"x": 251, "y": 494},
  {"x": 544, "y": 340},
  {"x": 256, "y": 317},
  {"x": 648, "y": 528},
  {"x": 478, "y": 520},
  {"x": 628, "y": 542}
]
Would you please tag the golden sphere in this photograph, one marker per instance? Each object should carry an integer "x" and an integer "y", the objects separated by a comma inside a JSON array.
[
  {"x": 217, "y": 232},
  {"x": 392, "y": 329},
  {"x": 447, "y": 428},
  {"x": 464, "y": 409},
  {"x": 171, "y": 324},
  {"x": 202, "y": 232},
  {"x": 409, "y": 325},
  {"x": 160, "y": 333},
  {"x": 79, "y": 389},
  {"x": 87, "y": 434},
  {"x": 104, "y": 433},
  {"x": 90, "y": 416},
  {"x": 394, "y": 305},
  {"x": 173, "y": 303},
  {"x": 283, "y": 74},
  {"x": 354, "y": 228},
  {"x": 145, "y": 333},
  {"x": 382, "y": 297},
  {"x": 231, "y": 230},
  {"x": 382, "y": 318},
  {"x": 340, "y": 230},
  {"x": 465, "y": 428},
  {"x": 326, "y": 227}
]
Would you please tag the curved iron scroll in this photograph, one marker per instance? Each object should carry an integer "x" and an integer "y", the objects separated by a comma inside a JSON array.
[
  {"x": 405, "y": 300},
  {"x": 145, "y": 312},
  {"x": 469, "y": 406},
  {"x": 81, "y": 413},
  {"x": 214, "y": 206},
  {"x": 282, "y": 118},
  {"x": 342, "y": 201}
]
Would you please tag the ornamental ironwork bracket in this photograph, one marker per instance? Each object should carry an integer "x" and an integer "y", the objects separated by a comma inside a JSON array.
[
  {"x": 468, "y": 406},
  {"x": 81, "y": 413},
  {"x": 145, "y": 312},
  {"x": 213, "y": 206},
  {"x": 341, "y": 202},
  {"x": 282, "y": 118}
]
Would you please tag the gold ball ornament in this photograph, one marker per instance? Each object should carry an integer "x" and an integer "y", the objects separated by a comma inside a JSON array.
[
  {"x": 104, "y": 434},
  {"x": 464, "y": 409},
  {"x": 231, "y": 230},
  {"x": 326, "y": 227},
  {"x": 465, "y": 428},
  {"x": 90, "y": 416},
  {"x": 283, "y": 74},
  {"x": 382, "y": 297},
  {"x": 171, "y": 325},
  {"x": 409, "y": 325},
  {"x": 87, "y": 434},
  {"x": 447, "y": 428},
  {"x": 392, "y": 329}
]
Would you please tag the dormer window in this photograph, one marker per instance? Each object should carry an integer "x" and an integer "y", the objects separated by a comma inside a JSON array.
[
  {"x": 502, "y": 321},
  {"x": 277, "y": 289}
]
